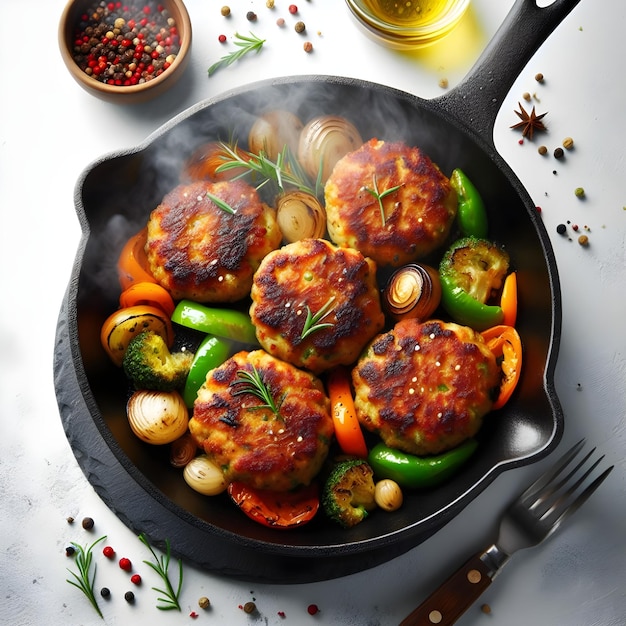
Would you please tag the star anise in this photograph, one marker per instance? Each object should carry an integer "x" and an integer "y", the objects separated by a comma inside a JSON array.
[{"x": 530, "y": 122}]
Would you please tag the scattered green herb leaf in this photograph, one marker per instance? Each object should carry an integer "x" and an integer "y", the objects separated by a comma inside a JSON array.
[
  {"x": 312, "y": 322},
  {"x": 252, "y": 382},
  {"x": 245, "y": 45},
  {"x": 380, "y": 195},
  {"x": 161, "y": 567},
  {"x": 220, "y": 204},
  {"x": 284, "y": 172},
  {"x": 85, "y": 580}
]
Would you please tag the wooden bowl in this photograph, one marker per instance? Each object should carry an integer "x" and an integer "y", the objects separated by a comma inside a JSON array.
[{"x": 143, "y": 89}]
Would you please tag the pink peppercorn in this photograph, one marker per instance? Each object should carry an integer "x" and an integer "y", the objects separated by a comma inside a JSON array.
[
  {"x": 293, "y": 9},
  {"x": 312, "y": 609},
  {"x": 222, "y": 38},
  {"x": 125, "y": 564},
  {"x": 135, "y": 579},
  {"x": 109, "y": 552}
]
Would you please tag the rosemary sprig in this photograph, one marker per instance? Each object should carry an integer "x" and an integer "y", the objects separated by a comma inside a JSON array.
[
  {"x": 84, "y": 580},
  {"x": 284, "y": 172},
  {"x": 380, "y": 195},
  {"x": 220, "y": 204},
  {"x": 161, "y": 567},
  {"x": 312, "y": 322},
  {"x": 245, "y": 44},
  {"x": 252, "y": 382}
]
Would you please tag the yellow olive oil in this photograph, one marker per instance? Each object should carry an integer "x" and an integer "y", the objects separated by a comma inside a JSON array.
[{"x": 408, "y": 13}]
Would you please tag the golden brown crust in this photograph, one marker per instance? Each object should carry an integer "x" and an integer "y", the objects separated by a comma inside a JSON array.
[
  {"x": 313, "y": 273},
  {"x": 199, "y": 251},
  {"x": 253, "y": 445},
  {"x": 425, "y": 387},
  {"x": 418, "y": 216}
]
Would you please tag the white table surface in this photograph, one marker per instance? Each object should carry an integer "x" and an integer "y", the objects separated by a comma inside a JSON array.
[{"x": 51, "y": 129}]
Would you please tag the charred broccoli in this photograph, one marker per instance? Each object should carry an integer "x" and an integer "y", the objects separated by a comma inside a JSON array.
[
  {"x": 472, "y": 273},
  {"x": 348, "y": 493},
  {"x": 149, "y": 363}
]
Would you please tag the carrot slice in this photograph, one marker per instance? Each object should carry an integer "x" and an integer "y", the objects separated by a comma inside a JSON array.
[
  {"x": 347, "y": 428},
  {"x": 150, "y": 294},
  {"x": 132, "y": 264}
]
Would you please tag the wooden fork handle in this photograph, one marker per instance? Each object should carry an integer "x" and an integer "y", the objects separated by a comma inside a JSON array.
[{"x": 453, "y": 597}]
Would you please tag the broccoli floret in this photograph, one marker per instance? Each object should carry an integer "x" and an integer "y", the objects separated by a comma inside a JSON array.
[
  {"x": 348, "y": 493},
  {"x": 149, "y": 363},
  {"x": 477, "y": 266}
]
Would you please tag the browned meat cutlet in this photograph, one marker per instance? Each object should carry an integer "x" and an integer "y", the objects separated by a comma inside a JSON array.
[
  {"x": 315, "y": 278},
  {"x": 199, "y": 251},
  {"x": 425, "y": 387},
  {"x": 266, "y": 450},
  {"x": 415, "y": 218}
]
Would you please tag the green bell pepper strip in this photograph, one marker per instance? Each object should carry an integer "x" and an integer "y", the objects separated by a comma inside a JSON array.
[
  {"x": 465, "y": 308},
  {"x": 211, "y": 353},
  {"x": 415, "y": 472},
  {"x": 471, "y": 213},
  {"x": 226, "y": 323}
]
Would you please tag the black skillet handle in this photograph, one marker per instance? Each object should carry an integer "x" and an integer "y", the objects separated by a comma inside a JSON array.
[{"x": 479, "y": 96}]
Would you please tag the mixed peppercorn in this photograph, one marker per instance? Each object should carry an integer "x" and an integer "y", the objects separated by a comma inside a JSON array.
[{"x": 125, "y": 44}]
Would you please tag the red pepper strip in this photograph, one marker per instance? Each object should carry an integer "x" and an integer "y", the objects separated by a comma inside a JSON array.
[
  {"x": 276, "y": 509},
  {"x": 508, "y": 300},
  {"x": 150, "y": 294},
  {"x": 347, "y": 428},
  {"x": 505, "y": 343}
]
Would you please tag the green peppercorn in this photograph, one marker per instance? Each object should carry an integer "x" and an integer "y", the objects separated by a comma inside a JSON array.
[
  {"x": 225, "y": 11},
  {"x": 568, "y": 143},
  {"x": 583, "y": 240},
  {"x": 204, "y": 602},
  {"x": 542, "y": 150},
  {"x": 300, "y": 27},
  {"x": 579, "y": 192},
  {"x": 249, "y": 607}
]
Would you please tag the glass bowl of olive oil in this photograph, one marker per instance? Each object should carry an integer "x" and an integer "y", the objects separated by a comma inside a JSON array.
[{"x": 407, "y": 24}]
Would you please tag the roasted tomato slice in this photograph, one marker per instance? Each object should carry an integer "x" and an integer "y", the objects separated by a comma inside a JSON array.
[{"x": 276, "y": 509}]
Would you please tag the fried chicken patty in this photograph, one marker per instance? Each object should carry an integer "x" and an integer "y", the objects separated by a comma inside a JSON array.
[
  {"x": 316, "y": 305},
  {"x": 251, "y": 443},
  {"x": 425, "y": 387},
  {"x": 200, "y": 251},
  {"x": 415, "y": 218}
]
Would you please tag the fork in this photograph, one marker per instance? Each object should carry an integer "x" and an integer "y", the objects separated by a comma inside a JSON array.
[{"x": 535, "y": 515}]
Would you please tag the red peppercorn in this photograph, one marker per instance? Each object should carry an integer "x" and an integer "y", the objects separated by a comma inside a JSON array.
[
  {"x": 312, "y": 609},
  {"x": 108, "y": 551},
  {"x": 125, "y": 564},
  {"x": 293, "y": 9},
  {"x": 135, "y": 579}
]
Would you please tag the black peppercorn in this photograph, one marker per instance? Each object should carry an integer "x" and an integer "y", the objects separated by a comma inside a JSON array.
[
  {"x": 69, "y": 551},
  {"x": 561, "y": 229},
  {"x": 251, "y": 16},
  {"x": 105, "y": 592},
  {"x": 88, "y": 523},
  {"x": 129, "y": 596},
  {"x": 558, "y": 153}
]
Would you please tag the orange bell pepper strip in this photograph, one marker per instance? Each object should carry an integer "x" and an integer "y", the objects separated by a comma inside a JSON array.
[
  {"x": 132, "y": 264},
  {"x": 505, "y": 343},
  {"x": 508, "y": 300},
  {"x": 347, "y": 428},
  {"x": 150, "y": 294}
]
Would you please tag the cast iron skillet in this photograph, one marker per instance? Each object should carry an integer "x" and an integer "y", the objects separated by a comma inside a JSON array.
[{"x": 113, "y": 199}]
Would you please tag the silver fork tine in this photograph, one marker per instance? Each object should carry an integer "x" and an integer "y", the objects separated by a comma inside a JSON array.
[
  {"x": 534, "y": 490},
  {"x": 580, "y": 500}
]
